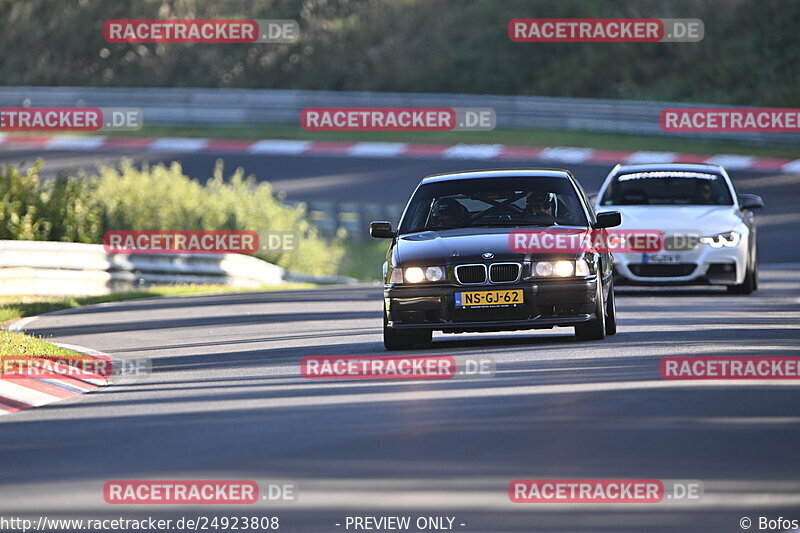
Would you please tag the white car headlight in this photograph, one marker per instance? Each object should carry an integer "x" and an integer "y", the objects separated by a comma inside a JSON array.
[{"x": 728, "y": 240}]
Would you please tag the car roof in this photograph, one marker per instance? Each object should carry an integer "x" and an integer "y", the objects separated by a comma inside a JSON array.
[
  {"x": 500, "y": 173},
  {"x": 654, "y": 167}
]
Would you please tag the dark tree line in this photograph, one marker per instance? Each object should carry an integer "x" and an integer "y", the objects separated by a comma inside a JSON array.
[{"x": 750, "y": 54}]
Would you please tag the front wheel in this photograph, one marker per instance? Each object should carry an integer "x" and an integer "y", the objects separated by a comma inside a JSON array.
[
  {"x": 611, "y": 312},
  {"x": 596, "y": 329},
  {"x": 748, "y": 285},
  {"x": 755, "y": 275}
]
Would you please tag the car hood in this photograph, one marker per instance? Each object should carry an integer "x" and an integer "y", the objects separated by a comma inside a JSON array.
[
  {"x": 458, "y": 246},
  {"x": 703, "y": 218}
]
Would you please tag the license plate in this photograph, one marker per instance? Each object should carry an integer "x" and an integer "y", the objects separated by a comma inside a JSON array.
[
  {"x": 661, "y": 258},
  {"x": 498, "y": 298}
]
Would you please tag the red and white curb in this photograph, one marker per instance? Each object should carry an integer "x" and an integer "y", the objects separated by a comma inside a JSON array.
[
  {"x": 24, "y": 393},
  {"x": 559, "y": 154}
]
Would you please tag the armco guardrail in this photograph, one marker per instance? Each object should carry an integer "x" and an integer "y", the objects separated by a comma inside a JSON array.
[
  {"x": 267, "y": 106},
  {"x": 73, "y": 269},
  {"x": 354, "y": 217}
]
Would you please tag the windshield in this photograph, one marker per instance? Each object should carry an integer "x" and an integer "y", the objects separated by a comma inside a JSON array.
[
  {"x": 667, "y": 188},
  {"x": 491, "y": 202}
]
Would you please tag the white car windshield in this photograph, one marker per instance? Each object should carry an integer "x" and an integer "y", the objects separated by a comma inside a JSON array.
[{"x": 667, "y": 188}]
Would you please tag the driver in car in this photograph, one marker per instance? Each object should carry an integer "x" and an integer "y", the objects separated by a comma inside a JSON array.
[
  {"x": 540, "y": 205},
  {"x": 703, "y": 194},
  {"x": 449, "y": 213}
]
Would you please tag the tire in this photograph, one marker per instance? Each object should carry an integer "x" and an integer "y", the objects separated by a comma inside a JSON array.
[
  {"x": 403, "y": 340},
  {"x": 596, "y": 329},
  {"x": 611, "y": 312},
  {"x": 755, "y": 274},
  {"x": 750, "y": 282}
]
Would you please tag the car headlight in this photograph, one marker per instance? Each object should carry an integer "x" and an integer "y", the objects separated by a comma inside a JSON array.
[
  {"x": 434, "y": 273},
  {"x": 543, "y": 269},
  {"x": 728, "y": 240},
  {"x": 559, "y": 269},
  {"x": 582, "y": 268},
  {"x": 416, "y": 274},
  {"x": 397, "y": 275},
  {"x": 564, "y": 268}
]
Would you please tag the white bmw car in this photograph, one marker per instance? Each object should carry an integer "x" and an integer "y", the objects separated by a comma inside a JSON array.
[{"x": 709, "y": 230}]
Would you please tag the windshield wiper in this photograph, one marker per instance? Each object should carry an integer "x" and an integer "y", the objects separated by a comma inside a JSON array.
[
  {"x": 515, "y": 225},
  {"x": 500, "y": 225},
  {"x": 541, "y": 224},
  {"x": 440, "y": 228},
  {"x": 496, "y": 225}
]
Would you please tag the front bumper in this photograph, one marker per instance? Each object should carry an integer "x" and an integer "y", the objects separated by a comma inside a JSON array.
[
  {"x": 702, "y": 266},
  {"x": 545, "y": 304}
]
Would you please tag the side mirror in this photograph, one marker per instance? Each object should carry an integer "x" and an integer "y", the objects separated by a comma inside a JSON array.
[
  {"x": 750, "y": 201},
  {"x": 608, "y": 219},
  {"x": 381, "y": 230}
]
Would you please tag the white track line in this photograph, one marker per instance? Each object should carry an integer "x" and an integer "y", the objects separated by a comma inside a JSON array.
[
  {"x": 651, "y": 157},
  {"x": 566, "y": 154},
  {"x": 279, "y": 147},
  {"x": 794, "y": 166},
  {"x": 74, "y": 142},
  {"x": 473, "y": 151},
  {"x": 731, "y": 161},
  {"x": 373, "y": 149},
  {"x": 169, "y": 144},
  {"x": 21, "y": 393}
]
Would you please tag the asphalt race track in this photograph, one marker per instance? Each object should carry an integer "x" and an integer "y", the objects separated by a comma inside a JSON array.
[
  {"x": 225, "y": 399},
  {"x": 391, "y": 180}
]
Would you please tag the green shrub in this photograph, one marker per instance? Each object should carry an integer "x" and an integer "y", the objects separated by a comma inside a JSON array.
[
  {"x": 81, "y": 208},
  {"x": 22, "y": 205}
]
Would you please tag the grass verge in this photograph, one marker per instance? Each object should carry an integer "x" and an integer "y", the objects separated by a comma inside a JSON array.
[
  {"x": 531, "y": 137},
  {"x": 21, "y": 344},
  {"x": 364, "y": 260}
]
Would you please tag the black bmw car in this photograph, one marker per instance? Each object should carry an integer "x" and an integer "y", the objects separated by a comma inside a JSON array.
[{"x": 452, "y": 265}]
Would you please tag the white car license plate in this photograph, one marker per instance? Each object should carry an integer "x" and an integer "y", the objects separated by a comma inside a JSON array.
[{"x": 661, "y": 258}]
